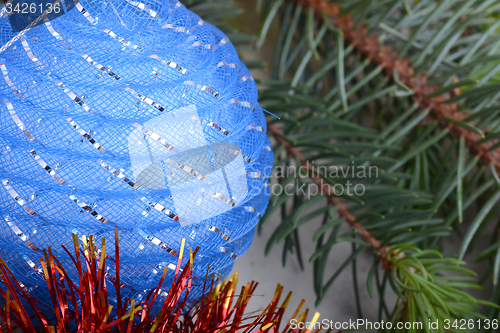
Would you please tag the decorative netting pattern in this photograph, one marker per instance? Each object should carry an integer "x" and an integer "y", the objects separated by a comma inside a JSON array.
[{"x": 130, "y": 115}]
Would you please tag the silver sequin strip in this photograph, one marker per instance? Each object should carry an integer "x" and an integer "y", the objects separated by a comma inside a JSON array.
[
  {"x": 207, "y": 46},
  {"x": 121, "y": 39},
  {"x": 85, "y": 13},
  {"x": 18, "y": 121},
  {"x": 7, "y": 79},
  {"x": 249, "y": 209},
  {"x": 32, "y": 264},
  {"x": 235, "y": 101},
  {"x": 254, "y": 174},
  {"x": 237, "y": 153},
  {"x": 118, "y": 174},
  {"x": 46, "y": 167},
  {"x": 53, "y": 32},
  {"x": 170, "y": 64},
  {"x": 158, "y": 243},
  {"x": 257, "y": 128},
  {"x": 21, "y": 235},
  {"x": 73, "y": 96},
  {"x": 86, "y": 135},
  {"x": 30, "y": 54},
  {"x": 143, "y": 7},
  {"x": 156, "y": 137},
  {"x": 186, "y": 169},
  {"x": 222, "y": 63},
  {"x": 100, "y": 67},
  {"x": 145, "y": 99},
  {"x": 203, "y": 88},
  {"x": 178, "y": 29},
  {"x": 90, "y": 210},
  {"x": 13, "y": 193},
  {"x": 214, "y": 125},
  {"x": 161, "y": 209},
  {"x": 252, "y": 210},
  {"x": 218, "y": 232},
  {"x": 231, "y": 254},
  {"x": 220, "y": 197}
]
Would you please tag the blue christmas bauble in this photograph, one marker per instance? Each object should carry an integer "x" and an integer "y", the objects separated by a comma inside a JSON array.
[{"x": 130, "y": 115}]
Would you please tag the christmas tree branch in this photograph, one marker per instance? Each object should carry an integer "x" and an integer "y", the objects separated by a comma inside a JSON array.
[
  {"x": 387, "y": 58},
  {"x": 333, "y": 200},
  {"x": 341, "y": 110}
]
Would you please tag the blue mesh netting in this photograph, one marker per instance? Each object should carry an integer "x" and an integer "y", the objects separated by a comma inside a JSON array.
[{"x": 131, "y": 115}]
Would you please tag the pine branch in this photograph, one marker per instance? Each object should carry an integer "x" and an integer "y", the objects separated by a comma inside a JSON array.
[
  {"x": 339, "y": 108},
  {"x": 387, "y": 58},
  {"x": 333, "y": 200}
]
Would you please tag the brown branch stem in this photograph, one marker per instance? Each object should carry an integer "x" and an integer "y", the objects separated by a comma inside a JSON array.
[{"x": 333, "y": 200}]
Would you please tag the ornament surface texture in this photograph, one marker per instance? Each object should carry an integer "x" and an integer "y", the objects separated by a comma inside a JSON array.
[{"x": 132, "y": 115}]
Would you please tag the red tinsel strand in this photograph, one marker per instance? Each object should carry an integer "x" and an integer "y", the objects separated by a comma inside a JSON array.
[{"x": 221, "y": 311}]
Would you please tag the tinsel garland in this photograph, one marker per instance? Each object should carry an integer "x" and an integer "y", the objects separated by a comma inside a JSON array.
[{"x": 84, "y": 305}]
